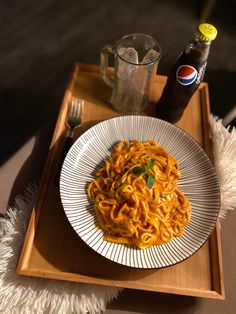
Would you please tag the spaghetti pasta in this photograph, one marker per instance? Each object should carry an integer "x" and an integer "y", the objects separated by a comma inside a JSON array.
[{"x": 136, "y": 198}]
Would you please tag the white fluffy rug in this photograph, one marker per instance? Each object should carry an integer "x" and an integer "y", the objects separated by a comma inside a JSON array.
[
  {"x": 224, "y": 149},
  {"x": 21, "y": 294}
]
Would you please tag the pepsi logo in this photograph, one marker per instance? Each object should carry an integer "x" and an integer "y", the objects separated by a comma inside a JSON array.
[{"x": 186, "y": 74}]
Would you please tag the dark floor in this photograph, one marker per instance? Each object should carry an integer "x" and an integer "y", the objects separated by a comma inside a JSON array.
[{"x": 40, "y": 41}]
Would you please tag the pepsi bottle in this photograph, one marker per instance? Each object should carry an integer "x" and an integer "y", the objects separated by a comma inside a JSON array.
[{"x": 185, "y": 75}]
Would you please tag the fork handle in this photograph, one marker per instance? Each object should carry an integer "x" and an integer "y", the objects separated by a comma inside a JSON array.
[{"x": 67, "y": 146}]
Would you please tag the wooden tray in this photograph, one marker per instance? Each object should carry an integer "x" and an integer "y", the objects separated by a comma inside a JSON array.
[{"x": 53, "y": 250}]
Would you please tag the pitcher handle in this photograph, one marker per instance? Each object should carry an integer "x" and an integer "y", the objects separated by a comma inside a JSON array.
[{"x": 104, "y": 64}]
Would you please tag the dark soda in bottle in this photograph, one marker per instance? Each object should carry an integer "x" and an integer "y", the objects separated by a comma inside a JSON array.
[{"x": 186, "y": 74}]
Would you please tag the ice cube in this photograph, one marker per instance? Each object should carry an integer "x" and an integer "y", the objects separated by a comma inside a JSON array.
[
  {"x": 150, "y": 56},
  {"x": 125, "y": 69},
  {"x": 129, "y": 54}
]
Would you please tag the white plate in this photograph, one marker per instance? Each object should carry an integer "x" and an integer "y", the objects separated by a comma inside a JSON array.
[{"x": 198, "y": 182}]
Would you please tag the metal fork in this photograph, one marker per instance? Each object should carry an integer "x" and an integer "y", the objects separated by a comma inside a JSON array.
[
  {"x": 74, "y": 120},
  {"x": 75, "y": 115}
]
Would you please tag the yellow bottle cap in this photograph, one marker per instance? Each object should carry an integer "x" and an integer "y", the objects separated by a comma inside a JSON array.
[{"x": 206, "y": 32}]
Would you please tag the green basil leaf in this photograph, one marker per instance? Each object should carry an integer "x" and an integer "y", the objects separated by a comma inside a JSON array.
[
  {"x": 138, "y": 170},
  {"x": 150, "y": 181},
  {"x": 150, "y": 164}
]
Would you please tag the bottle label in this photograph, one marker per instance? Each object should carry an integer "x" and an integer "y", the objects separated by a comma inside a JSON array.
[
  {"x": 186, "y": 74},
  {"x": 201, "y": 72}
]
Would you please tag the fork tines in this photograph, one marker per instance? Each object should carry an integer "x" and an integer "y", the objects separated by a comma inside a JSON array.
[{"x": 76, "y": 107}]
